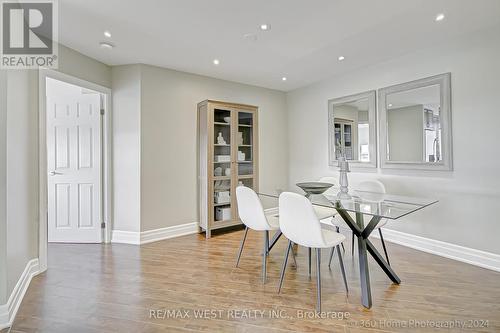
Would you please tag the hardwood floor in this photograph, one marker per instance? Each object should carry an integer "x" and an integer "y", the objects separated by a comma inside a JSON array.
[{"x": 110, "y": 288}]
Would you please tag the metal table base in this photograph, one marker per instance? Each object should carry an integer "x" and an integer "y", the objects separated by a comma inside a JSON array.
[{"x": 364, "y": 246}]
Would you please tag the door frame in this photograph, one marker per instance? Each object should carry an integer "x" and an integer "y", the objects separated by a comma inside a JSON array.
[{"x": 106, "y": 176}]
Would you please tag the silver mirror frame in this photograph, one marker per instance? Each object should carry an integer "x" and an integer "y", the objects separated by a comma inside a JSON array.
[
  {"x": 372, "y": 121},
  {"x": 444, "y": 82}
]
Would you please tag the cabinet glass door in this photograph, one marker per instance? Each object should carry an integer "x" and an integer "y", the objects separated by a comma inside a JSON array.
[
  {"x": 244, "y": 153},
  {"x": 222, "y": 165},
  {"x": 244, "y": 150}
]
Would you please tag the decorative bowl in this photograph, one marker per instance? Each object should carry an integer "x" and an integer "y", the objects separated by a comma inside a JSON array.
[
  {"x": 314, "y": 187},
  {"x": 227, "y": 119}
]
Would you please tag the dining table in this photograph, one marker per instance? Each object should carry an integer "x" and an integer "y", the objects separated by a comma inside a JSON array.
[{"x": 354, "y": 208}]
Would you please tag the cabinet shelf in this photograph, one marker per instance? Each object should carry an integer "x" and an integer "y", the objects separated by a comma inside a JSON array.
[
  {"x": 221, "y": 190},
  {"x": 245, "y": 146},
  {"x": 222, "y": 204},
  {"x": 222, "y": 145},
  {"x": 225, "y": 224},
  {"x": 245, "y": 176},
  {"x": 244, "y": 125},
  {"x": 222, "y": 177},
  {"x": 221, "y": 124}
]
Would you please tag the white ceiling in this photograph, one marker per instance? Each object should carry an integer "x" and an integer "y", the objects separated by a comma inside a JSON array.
[{"x": 304, "y": 42}]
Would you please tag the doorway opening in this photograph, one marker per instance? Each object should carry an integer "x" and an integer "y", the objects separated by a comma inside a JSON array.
[{"x": 74, "y": 127}]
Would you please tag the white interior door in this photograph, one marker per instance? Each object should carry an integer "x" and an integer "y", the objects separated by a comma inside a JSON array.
[{"x": 74, "y": 163}]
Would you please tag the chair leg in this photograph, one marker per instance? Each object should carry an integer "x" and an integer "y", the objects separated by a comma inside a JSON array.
[
  {"x": 267, "y": 247},
  {"x": 383, "y": 245},
  {"x": 282, "y": 275},
  {"x": 264, "y": 256},
  {"x": 318, "y": 279},
  {"x": 342, "y": 244},
  {"x": 241, "y": 246},
  {"x": 341, "y": 262},
  {"x": 352, "y": 245},
  {"x": 309, "y": 254},
  {"x": 267, "y": 242},
  {"x": 331, "y": 256},
  {"x": 293, "y": 257}
]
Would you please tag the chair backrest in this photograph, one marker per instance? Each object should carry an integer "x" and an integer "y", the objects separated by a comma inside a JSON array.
[
  {"x": 298, "y": 221},
  {"x": 374, "y": 186},
  {"x": 371, "y": 186},
  {"x": 332, "y": 180},
  {"x": 250, "y": 209}
]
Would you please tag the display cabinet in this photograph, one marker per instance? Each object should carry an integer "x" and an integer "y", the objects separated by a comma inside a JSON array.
[{"x": 227, "y": 158}]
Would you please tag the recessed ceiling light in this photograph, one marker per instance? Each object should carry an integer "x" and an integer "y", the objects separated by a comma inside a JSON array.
[
  {"x": 341, "y": 58},
  {"x": 265, "y": 27},
  {"x": 106, "y": 45},
  {"x": 439, "y": 17},
  {"x": 283, "y": 78},
  {"x": 216, "y": 62},
  {"x": 107, "y": 34},
  {"x": 390, "y": 105}
]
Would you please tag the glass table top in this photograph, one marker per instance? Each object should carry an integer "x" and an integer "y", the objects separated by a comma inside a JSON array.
[{"x": 370, "y": 203}]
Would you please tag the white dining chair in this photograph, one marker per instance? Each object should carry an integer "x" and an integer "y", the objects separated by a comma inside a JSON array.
[
  {"x": 335, "y": 220},
  {"x": 374, "y": 186},
  {"x": 300, "y": 224},
  {"x": 327, "y": 215},
  {"x": 326, "y": 212},
  {"x": 252, "y": 215}
]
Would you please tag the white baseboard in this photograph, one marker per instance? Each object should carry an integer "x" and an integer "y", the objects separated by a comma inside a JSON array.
[
  {"x": 169, "y": 232},
  {"x": 464, "y": 254},
  {"x": 126, "y": 237},
  {"x": 8, "y": 311},
  {"x": 149, "y": 236},
  {"x": 456, "y": 252}
]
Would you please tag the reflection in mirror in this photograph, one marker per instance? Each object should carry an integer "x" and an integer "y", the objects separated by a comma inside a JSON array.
[
  {"x": 414, "y": 130},
  {"x": 415, "y": 124},
  {"x": 352, "y": 128}
]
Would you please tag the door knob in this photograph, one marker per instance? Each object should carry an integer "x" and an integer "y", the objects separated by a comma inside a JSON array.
[{"x": 53, "y": 173}]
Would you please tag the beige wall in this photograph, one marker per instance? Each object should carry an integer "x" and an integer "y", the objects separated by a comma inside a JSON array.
[
  {"x": 76, "y": 64},
  {"x": 168, "y": 140},
  {"x": 20, "y": 147},
  {"x": 464, "y": 215},
  {"x": 3, "y": 187},
  {"x": 163, "y": 120},
  {"x": 22, "y": 172},
  {"x": 126, "y": 82}
]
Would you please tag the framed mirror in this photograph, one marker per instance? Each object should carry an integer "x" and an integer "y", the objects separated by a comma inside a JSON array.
[
  {"x": 351, "y": 129},
  {"x": 415, "y": 124}
]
